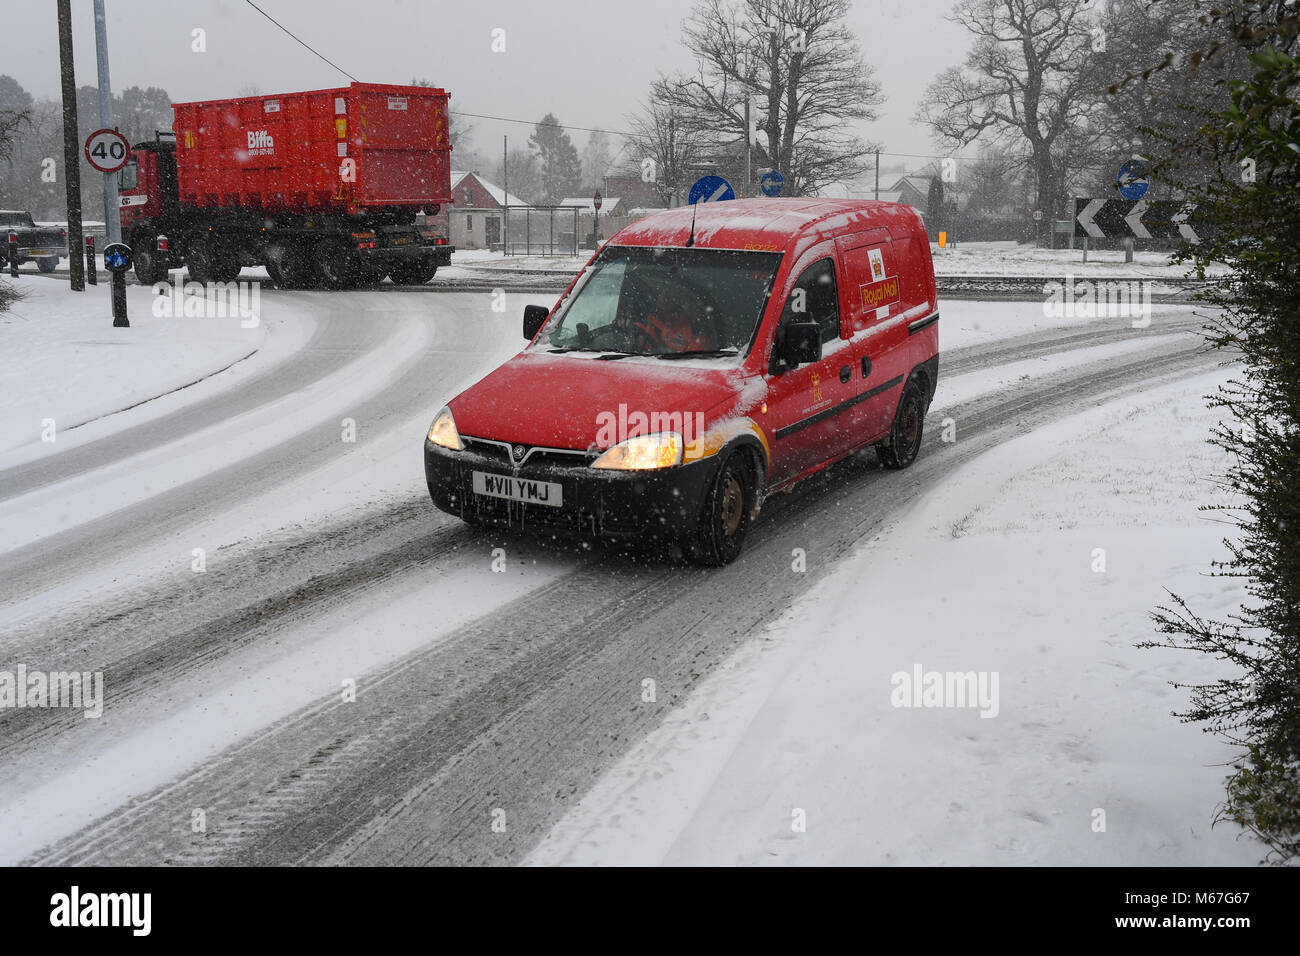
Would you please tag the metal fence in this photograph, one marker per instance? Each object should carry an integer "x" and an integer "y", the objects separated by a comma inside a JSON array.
[{"x": 541, "y": 230}]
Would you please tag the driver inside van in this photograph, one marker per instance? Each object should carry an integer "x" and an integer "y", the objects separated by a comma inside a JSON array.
[{"x": 669, "y": 328}]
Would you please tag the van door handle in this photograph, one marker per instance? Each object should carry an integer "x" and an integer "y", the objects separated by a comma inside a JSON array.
[
  {"x": 866, "y": 367},
  {"x": 846, "y": 373}
]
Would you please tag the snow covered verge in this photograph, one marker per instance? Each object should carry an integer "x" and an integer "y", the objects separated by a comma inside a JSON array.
[
  {"x": 954, "y": 259},
  {"x": 814, "y": 743},
  {"x": 62, "y": 360}
]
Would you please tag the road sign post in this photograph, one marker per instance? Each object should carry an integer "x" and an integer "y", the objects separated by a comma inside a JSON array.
[
  {"x": 13, "y": 253},
  {"x": 71, "y": 168},
  {"x": 117, "y": 259},
  {"x": 596, "y": 201},
  {"x": 92, "y": 275},
  {"x": 112, "y": 208}
]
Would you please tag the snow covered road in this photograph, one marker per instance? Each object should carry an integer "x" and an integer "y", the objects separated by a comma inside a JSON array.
[{"x": 481, "y": 698}]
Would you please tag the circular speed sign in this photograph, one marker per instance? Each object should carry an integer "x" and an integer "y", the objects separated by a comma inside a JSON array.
[{"x": 107, "y": 150}]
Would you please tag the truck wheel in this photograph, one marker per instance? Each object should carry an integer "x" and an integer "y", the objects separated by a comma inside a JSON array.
[
  {"x": 417, "y": 272},
  {"x": 289, "y": 266},
  {"x": 201, "y": 260},
  {"x": 725, "y": 520},
  {"x": 148, "y": 270},
  {"x": 369, "y": 275},
  {"x": 228, "y": 268},
  {"x": 47, "y": 265},
  {"x": 905, "y": 436},
  {"x": 337, "y": 265},
  {"x": 225, "y": 260}
]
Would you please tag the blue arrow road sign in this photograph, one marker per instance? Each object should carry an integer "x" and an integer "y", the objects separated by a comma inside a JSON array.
[
  {"x": 117, "y": 256},
  {"x": 710, "y": 189},
  {"x": 1133, "y": 181},
  {"x": 771, "y": 183}
]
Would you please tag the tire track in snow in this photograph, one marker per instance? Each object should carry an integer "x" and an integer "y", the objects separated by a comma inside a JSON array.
[{"x": 524, "y": 707}]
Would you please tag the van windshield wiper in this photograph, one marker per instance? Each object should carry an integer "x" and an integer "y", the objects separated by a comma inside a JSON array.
[
  {"x": 695, "y": 353},
  {"x": 614, "y": 356}
]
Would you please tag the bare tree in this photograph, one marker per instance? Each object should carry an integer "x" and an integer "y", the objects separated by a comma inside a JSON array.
[
  {"x": 10, "y": 122},
  {"x": 596, "y": 159},
  {"x": 524, "y": 174},
  {"x": 1029, "y": 82},
  {"x": 15, "y": 112},
  {"x": 674, "y": 152},
  {"x": 1162, "y": 87},
  {"x": 805, "y": 66}
]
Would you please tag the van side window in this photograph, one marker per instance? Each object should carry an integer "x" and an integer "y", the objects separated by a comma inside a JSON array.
[
  {"x": 816, "y": 292},
  {"x": 129, "y": 177}
]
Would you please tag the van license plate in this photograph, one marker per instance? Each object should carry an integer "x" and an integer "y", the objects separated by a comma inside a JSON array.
[{"x": 519, "y": 489}]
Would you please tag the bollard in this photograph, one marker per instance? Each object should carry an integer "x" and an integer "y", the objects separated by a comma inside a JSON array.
[
  {"x": 91, "y": 274},
  {"x": 117, "y": 259},
  {"x": 161, "y": 248},
  {"x": 13, "y": 253}
]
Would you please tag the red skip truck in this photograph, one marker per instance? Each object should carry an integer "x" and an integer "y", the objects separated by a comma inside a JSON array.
[{"x": 323, "y": 188}]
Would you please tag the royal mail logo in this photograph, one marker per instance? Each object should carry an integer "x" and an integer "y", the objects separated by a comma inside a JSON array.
[
  {"x": 877, "y": 259},
  {"x": 878, "y": 294},
  {"x": 260, "y": 143}
]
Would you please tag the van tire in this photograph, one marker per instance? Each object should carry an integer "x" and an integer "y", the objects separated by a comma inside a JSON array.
[
  {"x": 725, "y": 518},
  {"x": 904, "y": 442}
]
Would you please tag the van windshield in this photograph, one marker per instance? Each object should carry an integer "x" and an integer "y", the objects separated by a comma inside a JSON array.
[{"x": 652, "y": 301}]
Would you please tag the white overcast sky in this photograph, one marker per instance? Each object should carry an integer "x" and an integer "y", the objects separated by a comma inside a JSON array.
[{"x": 589, "y": 63}]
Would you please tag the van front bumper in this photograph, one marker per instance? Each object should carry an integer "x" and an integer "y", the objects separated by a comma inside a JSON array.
[{"x": 664, "y": 503}]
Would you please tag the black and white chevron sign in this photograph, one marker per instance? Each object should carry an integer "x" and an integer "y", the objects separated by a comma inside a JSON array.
[{"x": 1138, "y": 219}]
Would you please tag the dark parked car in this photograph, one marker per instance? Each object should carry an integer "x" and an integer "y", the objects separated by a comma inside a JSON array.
[{"x": 43, "y": 245}]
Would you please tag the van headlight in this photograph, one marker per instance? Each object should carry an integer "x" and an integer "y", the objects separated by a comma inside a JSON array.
[
  {"x": 443, "y": 431},
  {"x": 644, "y": 452}
]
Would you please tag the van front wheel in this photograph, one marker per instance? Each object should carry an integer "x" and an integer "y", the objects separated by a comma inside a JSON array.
[{"x": 725, "y": 519}]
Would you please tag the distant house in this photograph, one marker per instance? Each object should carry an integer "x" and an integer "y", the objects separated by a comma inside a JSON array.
[
  {"x": 912, "y": 190},
  {"x": 474, "y": 219},
  {"x": 609, "y": 205},
  {"x": 634, "y": 192}
]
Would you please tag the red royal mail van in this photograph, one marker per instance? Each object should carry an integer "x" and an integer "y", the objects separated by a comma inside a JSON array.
[{"x": 705, "y": 357}]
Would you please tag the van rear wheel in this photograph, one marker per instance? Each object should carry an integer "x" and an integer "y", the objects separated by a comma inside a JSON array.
[{"x": 904, "y": 442}]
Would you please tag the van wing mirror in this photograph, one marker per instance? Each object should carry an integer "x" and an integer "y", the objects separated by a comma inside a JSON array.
[
  {"x": 534, "y": 319},
  {"x": 803, "y": 343}
]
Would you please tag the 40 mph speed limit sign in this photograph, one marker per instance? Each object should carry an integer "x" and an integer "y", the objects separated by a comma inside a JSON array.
[{"x": 107, "y": 150}]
